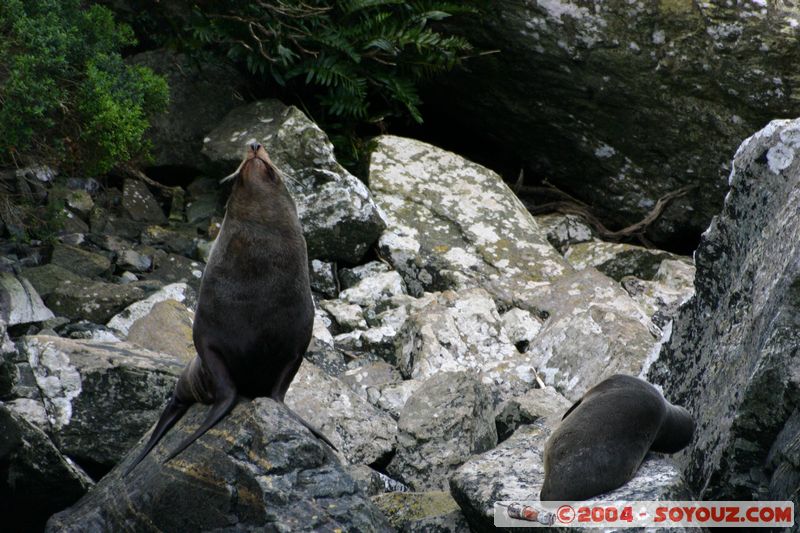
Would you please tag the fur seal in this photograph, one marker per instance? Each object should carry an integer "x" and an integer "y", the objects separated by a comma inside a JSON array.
[
  {"x": 604, "y": 437},
  {"x": 254, "y": 310}
]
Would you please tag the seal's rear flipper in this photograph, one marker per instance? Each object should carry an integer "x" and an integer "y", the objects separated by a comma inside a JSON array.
[
  {"x": 173, "y": 412},
  {"x": 218, "y": 411},
  {"x": 311, "y": 428}
]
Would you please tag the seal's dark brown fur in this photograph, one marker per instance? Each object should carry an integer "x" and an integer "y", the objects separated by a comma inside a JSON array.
[
  {"x": 605, "y": 435},
  {"x": 254, "y": 311}
]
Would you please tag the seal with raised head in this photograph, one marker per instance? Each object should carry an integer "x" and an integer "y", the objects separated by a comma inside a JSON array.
[
  {"x": 603, "y": 438},
  {"x": 254, "y": 311}
]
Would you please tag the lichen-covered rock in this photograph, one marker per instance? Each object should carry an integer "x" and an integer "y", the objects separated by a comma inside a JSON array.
[
  {"x": 617, "y": 260},
  {"x": 373, "y": 290},
  {"x": 351, "y": 276},
  {"x": 662, "y": 296},
  {"x": 521, "y": 327},
  {"x": 340, "y": 220},
  {"x": 322, "y": 278},
  {"x": 368, "y": 379},
  {"x": 565, "y": 96},
  {"x": 200, "y": 93},
  {"x": 46, "y": 278},
  {"x": 514, "y": 470},
  {"x": 463, "y": 331},
  {"x": 346, "y": 316},
  {"x": 174, "y": 268},
  {"x": 392, "y": 397},
  {"x": 363, "y": 433},
  {"x": 133, "y": 261},
  {"x": 96, "y": 301},
  {"x": 167, "y": 328},
  {"x": 732, "y": 357},
  {"x": 257, "y": 470},
  {"x": 454, "y": 224},
  {"x": 594, "y": 330},
  {"x": 432, "y": 512},
  {"x": 179, "y": 292},
  {"x": 140, "y": 204},
  {"x": 35, "y": 479},
  {"x": 99, "y": 397},
  {"x": 446, "y": 420},
  {"x": 371, "y": 482},
  {"x": 82, "y": 262},
  {"x": 19, "y": 301},
  {"x": 181, "y": 241}
]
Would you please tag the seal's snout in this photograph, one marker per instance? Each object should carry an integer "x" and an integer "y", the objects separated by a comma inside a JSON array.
[{"x": 255, "y": 147}]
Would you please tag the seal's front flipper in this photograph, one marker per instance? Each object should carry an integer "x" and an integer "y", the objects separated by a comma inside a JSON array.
[
  {"x": 173, "y": 412},
  {"x": 225, "y": 398},
  {"x": 311, "y": 428}
]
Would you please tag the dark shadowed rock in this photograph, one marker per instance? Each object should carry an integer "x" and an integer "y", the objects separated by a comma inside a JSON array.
[
  {"x": 82, "y": 262},
  {"x": 257, "y": 470},
  {"x": 140, "y": 204},
  {"x": 96, "y": 301},
  {"x": 732, "y": 358},
  {"x": 35, "y": 479}
]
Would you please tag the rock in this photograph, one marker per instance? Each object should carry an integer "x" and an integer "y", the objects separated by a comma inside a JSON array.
[
  {"x": 394, "y": 396},
  {"x": 258, "y": 469},
  {"x": 564, "y": 97},
  {"x": 340, "y": 220},
  {"x": 433, "y": 512},
  {"x": 83, "y": 329},
  {"x": 173, "y": 268},
  {"x": 617, "y": 260},
  {"x": 463, "y": 331},
  {"x": 594, "y": 330},
  {"x": 167, "y": 328},
  {"x": 565, "y": 230},
  {"x": 371, "y": 482},
  {"x": 80, "y": 202},
  {"x": 8, "y": 355},
  {"x": 373, "y": 291},
  {"x": 99, "y": 397},
  {"x": 378, "y": 341},
  {"x": 454, "y": 224},
  {"x": 521, "y": 327},
  {"x": 348, "y": 277},
  {"x": 92, "y": 300},
  {"x": 446, "y": 420},
  {"x": 731, "y": 359},
  {"x": 181, "y": 242},
  {"x": 367, "y": 380},
  {"x": 179, "y": 292},
  {"x": 359, "y": 430},
  {"x": 200, "y": 93},
  {"x": 32, "y": 411},
  {"x": 35, "y": 479},
  {"x": 514, "y": 470},
  {"x": 661, "y": 298},
  {"x": 526, "y": 409},
  {"x": 82, "y": 262},
  {"x": 19, "y": 301},
  {"x": 46, "y": 278},
  {"x": 140, "y": 204},
  {"x": 133, "y": 260},
  {"x": 322, "y": 278},
  {"x": 347, "y": 316}
]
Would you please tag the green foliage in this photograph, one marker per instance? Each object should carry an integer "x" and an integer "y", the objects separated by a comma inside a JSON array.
[
  {"x": 365, "y": 58},
  {"x": 65, "y": 93}
]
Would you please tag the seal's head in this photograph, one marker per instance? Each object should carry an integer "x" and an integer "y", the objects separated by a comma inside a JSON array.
[{"x": 259, "y": 192}]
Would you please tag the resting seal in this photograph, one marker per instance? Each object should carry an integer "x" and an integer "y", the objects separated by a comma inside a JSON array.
[
  {"x": 604, "y": 436},
  {"x": 254, "y": 310}
]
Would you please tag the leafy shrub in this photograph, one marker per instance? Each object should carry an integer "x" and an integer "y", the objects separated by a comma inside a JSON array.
[
  {"x": 363, "y": 58},
  {"x": 65, "y": 93}
]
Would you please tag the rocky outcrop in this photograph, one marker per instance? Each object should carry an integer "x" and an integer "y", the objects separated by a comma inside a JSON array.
[
  {"x": 566, "y": 94},
  {"x": 732, "y": 356},
  {"x": 432, "y": 512},
  {"x": 257, "y": 469},
  {"x": 19, "y": 301},
  {"x": 340, "y": 220}
]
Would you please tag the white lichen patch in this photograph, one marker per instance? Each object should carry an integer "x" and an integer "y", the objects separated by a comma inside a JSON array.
[
  {"x": 57, "y": 380},
  {"x": 779, "y": 157},
  {"x": 125, "y": 319}
]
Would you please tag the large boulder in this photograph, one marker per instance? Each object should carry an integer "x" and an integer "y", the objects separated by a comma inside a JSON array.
[
  {"x": 19, "y": 301},
  {"x": 455, "y": 224},
  {"x": 565, "y": 96},
  {"x": 732, "y": 358},
  {"x": 258, "y": 469},
  {"x": 200, "y": 94},
  {"x": 340, "y": 220},
  {"x": 99, "y": 398}
]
